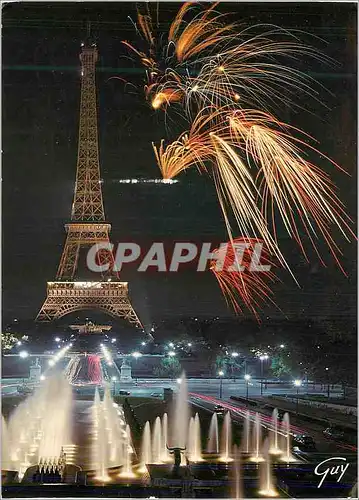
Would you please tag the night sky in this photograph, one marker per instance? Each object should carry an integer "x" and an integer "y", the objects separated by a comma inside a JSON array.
[{"x": 41, "y": 92}]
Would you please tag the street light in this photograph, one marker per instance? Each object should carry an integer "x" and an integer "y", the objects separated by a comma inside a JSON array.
[
  {"x": 136, "y": 354},
  {"x": 328, "y": 387},
  {"x": 297, "y": 384},
  {"x": 171, "y": 344},
  {"x": 179, "y": 381},
  {"x": 42, "y": 377},
  {"x": 18, "y": 342},
  {"x": 247, "y": 378},
  {"x": 262, "y": 358},
  {"x": 234, "y": 354},
  {"x": 57, "y": 339},
  {"x": 143, "y": 343},
  {"x": 220, "y": 374},
  {"x": 171, "y": 354},
  {"x": 114, "y": 379},
  {"x": 282, "y": 346},
  {"x": 23, "y": 354},
  {"x": 51, "y": 362}
]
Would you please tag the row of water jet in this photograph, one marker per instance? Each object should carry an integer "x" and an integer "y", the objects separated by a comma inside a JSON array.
[
  {"x": 186, "y": 431},
  {"x": 184, "y": 434},
  {"x": 112, "y": 444},
  {"x": 40, "y": 427},
  {"x": 266, "y": 481},
  {"x": 154, "y": 445},
  {"x": 154, "y": 448},
  {"x": 279, "y": 440}
]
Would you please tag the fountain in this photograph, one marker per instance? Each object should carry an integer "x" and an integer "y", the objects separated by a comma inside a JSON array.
[
  {"x": 274, "y": 448},
  {"x": 257, "y": 437},
  {"x": 246, "y": 432},
  {"x": 40, "y": 426},
  {"x": 226, "y": 439},
  {"x": 5, "y": 451},
  {"x": 157, "y": 442},
  {"x": 100, "y": 449},
  {"x": 194, "y": 440},
  {"x": 266, "y": 486},
  {"x": 146, "y": 455},
  {"x": 181, "y": 416},
  {"x": 112, "y": 443},
  {"x": 236, "y": 479},
  {"x": 165, "y": 456},
  {"x": 213, "y": 440},
  {"x": 286, "y": 437},
  {"x": 127, "y": 471},
  {"x": 56, "y": 422}
]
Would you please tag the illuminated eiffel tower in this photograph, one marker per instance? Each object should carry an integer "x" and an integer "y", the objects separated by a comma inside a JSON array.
[{"x": 87, "y": 226}]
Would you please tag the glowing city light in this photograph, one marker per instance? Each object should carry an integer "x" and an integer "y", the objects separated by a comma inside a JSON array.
[
  {"x": 23, "y": 354},
  {"x": 234, "y": 354},
  {"x": 221, "y": 373},
  {"x": 136, "y": 354},
  {"x": 247, "y": 377},
  {"x": 297, "y": 383},
  {"x": 147, "y": 181},
  {"x": 106, "y": 355},
  {"x": 172, "y": 353}
]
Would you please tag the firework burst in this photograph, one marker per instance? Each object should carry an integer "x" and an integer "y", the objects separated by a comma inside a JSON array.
[
  {"x": 226, "y": 81},
  {"x": 240, "y": 284}
]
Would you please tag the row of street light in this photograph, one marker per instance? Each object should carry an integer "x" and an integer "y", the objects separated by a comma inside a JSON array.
[{"x": 247, "y": 377}]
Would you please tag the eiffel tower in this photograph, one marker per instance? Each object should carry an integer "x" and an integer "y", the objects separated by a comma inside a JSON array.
[{"x": 88, "y": 225}]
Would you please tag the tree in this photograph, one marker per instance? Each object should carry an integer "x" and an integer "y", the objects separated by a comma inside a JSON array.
[
  {"x": 169, "y": 367},
  {"x": 280, "y": 365},
  {"x": 8, "y": 340}
]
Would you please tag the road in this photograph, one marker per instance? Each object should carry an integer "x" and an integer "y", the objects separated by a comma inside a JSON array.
[{"x": 212, "y": 387}]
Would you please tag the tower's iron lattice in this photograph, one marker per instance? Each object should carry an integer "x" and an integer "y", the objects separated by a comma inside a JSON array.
[{"x": 87, "y": 226}]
